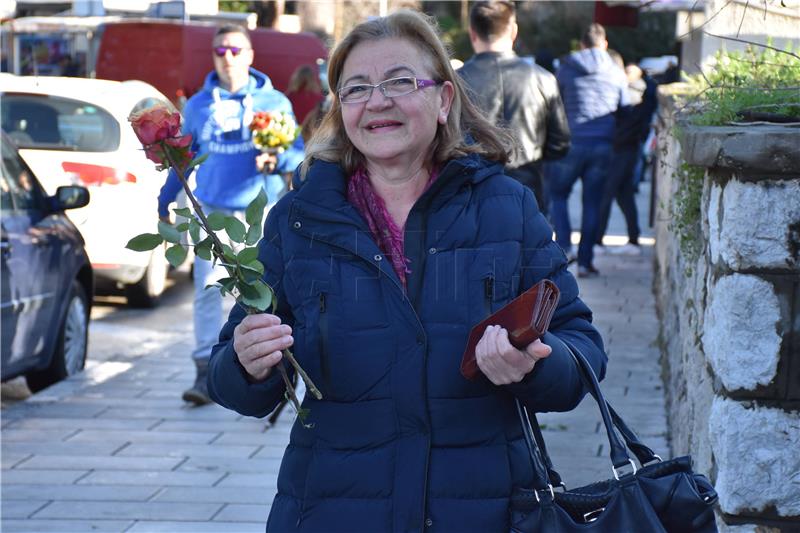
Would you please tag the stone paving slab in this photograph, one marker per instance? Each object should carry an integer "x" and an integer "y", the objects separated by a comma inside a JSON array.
[
  {"x": 241, "y": 495},
  {"x": 216, "y": 450},
  {"x": 147, "y": 526},
  {"x": 129, "y": 510},
  {"x": 243, "y": 513},
  {"x": 152, "y": 477},
  {"x": 64, "y": 526},
  {"x": 79, "y": 492}
]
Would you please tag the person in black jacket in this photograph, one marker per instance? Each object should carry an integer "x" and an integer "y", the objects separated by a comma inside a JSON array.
[
  {"x": 516, "y": 94},
  {"x": 631, "y": 129}
]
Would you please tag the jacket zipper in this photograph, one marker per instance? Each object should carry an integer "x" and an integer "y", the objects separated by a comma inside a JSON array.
[
  {"x": 324, "y": 361},
  {"x": 488, "y": 294}
]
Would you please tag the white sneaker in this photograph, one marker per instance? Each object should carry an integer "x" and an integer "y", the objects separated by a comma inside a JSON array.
[{"x": 627, "y": 249}]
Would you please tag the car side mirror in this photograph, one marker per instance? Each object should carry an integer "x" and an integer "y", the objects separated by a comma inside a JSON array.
[{"x": 70, "y": 197}]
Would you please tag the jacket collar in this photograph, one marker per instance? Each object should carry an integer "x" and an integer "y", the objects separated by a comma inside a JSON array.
[
  {"x": 325, "y": 183},
  {"x": 319, "y": 208}
]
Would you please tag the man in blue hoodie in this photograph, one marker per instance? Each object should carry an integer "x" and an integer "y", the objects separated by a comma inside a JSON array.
[
  {"x": 218, "y": 117},
  {"x": 593, "y": 88}
]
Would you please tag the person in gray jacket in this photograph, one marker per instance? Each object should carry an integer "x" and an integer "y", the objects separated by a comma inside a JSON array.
[{"x": 514, "y": 93}]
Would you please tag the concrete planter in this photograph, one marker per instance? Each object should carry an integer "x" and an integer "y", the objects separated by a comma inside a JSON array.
[{"x": 730, "y": 315}]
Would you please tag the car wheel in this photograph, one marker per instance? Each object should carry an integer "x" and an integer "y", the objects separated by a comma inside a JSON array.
[
  {"x": 70, "y": 354},
  {"x": 146, "y": 292}
]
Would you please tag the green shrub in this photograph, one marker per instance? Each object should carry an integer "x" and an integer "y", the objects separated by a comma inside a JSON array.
[{"x": 748, "y": 86}]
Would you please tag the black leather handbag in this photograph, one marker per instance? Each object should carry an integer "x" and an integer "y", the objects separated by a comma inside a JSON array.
[{"x": 658, "y": 496}]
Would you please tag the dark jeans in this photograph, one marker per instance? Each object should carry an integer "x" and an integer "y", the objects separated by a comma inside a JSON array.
[
  {"x": 588, "y": 161},
  {"x": 531, "y": 176},
  {"x": 621, "y": 186}
]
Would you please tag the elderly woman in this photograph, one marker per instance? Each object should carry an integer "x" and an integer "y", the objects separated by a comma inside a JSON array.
[{"x": 401, "y": 233}]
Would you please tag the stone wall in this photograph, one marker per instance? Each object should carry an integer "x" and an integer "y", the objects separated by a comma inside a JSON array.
[{"x": 729, "y": 310}]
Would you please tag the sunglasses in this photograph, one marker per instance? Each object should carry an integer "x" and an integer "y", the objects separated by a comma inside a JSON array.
[{"x": 220, "y": 51}]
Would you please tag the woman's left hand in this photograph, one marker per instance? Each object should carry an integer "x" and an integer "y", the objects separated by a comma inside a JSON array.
[{"x": 501, "y": 362}]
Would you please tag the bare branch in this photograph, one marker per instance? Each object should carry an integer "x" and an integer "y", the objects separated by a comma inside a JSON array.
[
  {"x": 753, "y": 43},
  {"x": 707, "y": 21},
  {"x": 744, "y": 14}
]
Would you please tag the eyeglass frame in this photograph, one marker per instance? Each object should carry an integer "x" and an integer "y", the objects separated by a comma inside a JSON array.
[
  {"x": 235, "y": 51},
  {"x": 419, "y": 83}
]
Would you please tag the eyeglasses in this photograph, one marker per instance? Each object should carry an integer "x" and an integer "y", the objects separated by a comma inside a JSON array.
[
  {"x": 391, "y": 88},
  {"x": 220, "y": 51}
]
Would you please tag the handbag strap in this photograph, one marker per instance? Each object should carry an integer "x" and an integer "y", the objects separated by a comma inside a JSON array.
[
  {"x": 545, "y": 473},
  {"x": 541, "y": 473},
  {"x": 644, "y": 454},
  {"x": 618, "y": 454}
]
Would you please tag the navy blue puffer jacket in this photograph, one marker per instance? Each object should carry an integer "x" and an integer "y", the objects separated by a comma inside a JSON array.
[{"x": 401, "y": 442}]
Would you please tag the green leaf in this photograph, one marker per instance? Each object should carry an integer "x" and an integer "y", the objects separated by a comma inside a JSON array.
[
  {"x": 225, "y": 285},
  {"x": 216, "y": 221},
  {"x": 252, "y": 272},
  {"x": 144, "y": 242},
  {"x": 263, "y": 293},
  {"x": 203, "y": 248},
  {"x": 235, "y": 229},
  {"x": 254, "y": 265},
  {"x": 168, "y": 232},
  {"x": 253, "y": 235},
  {"x": 184, "y": 212},
  {"x": 247, "y": 255},
  {"x": 183, "y": 226},
  {"x": 176, "y": 255},
  {"x": 194, "y": 230},
  {"x": 228, "y": 254},
  {"x": 254, "y": 213},
  {"x": 197, "y": 160}
]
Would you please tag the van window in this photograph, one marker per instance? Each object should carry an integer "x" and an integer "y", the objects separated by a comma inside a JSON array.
[{"x": 51, "y": 123}]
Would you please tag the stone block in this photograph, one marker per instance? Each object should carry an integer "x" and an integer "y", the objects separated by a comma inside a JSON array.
[
  {"x": 751, "y": 224},
  {"x": 740, "y": 338},
  {"x": 758, "y": 466}
]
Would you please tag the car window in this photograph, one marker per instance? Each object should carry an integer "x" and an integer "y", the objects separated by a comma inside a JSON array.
[
  {"x": 48, "y": 122},
  {"x": 19, "y": 188}
]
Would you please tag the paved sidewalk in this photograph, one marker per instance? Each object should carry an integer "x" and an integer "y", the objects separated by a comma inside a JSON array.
[{"x": 115, "y": 449}]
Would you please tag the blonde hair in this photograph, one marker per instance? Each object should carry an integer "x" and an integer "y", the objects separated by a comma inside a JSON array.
[
  {"x": 466, "y": 130},
  {"x": 304, "y": 77}
]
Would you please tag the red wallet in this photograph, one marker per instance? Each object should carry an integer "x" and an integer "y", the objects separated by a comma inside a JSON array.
[{"x": 526, "y": 318}]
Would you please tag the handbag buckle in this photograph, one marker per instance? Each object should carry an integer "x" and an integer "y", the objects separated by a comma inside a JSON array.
[
  {"x": 591, "y": 516},
  {"x": 550, "y": 488},
  {"x": 656, "y": 459},
  {"x": 617, "y": 474}
]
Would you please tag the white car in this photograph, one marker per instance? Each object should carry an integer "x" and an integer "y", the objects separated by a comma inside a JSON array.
[{"x": 74, "y": 131}]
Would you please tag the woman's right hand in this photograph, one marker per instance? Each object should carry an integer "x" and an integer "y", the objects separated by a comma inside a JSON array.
[{"x": 258, "y": 341}]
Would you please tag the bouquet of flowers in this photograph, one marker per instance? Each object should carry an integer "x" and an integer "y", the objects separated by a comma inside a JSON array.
[{"x": 273, "y": 131}]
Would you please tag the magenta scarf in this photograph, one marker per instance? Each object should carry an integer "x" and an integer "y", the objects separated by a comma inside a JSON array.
[{"x": 384, "y": 229}]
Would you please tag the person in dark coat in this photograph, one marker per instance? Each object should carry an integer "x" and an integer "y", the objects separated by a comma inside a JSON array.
[
  {"x": 515, "y": 93},
  {"x": 401, "y": 233}
]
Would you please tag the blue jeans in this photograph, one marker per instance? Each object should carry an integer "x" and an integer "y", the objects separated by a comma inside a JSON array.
[
  {"x": 620, "y": 186},
  {"x": 588, "y": 161}
]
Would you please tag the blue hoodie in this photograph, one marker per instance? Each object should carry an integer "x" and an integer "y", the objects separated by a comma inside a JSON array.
[
  {"x": 592, "y": 87},
  {"x": 218, "y": 121}
]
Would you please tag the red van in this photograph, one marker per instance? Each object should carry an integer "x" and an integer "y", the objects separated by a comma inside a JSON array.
[{"x": 175, "y": 56}]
